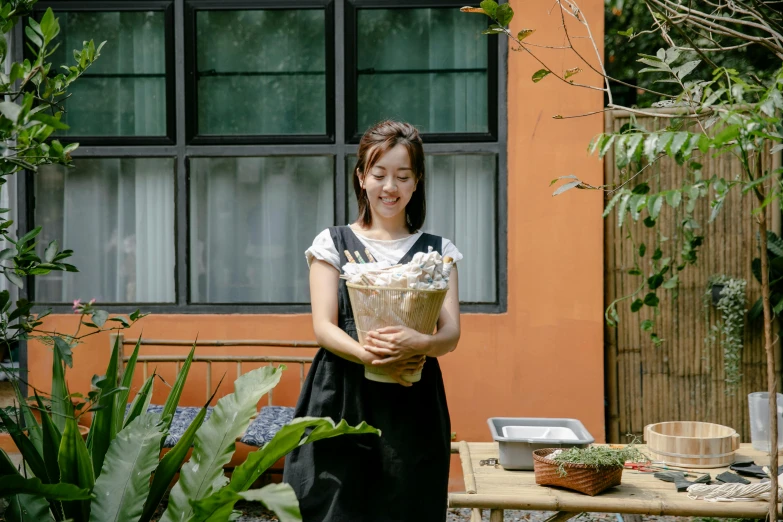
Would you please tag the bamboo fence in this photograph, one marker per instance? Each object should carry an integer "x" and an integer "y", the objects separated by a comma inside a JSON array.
[{"x": 683, "y": 378}]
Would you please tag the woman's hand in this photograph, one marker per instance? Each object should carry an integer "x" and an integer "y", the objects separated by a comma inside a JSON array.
[
  {"x": 395, "y": 343},
  {"x": 404, "y": 367}
]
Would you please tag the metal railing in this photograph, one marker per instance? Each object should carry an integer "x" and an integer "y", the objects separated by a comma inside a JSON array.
[{"x": 144, "y": 360}]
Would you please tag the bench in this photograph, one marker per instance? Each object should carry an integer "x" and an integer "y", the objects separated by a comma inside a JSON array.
[{"x": 269, "y": 420}]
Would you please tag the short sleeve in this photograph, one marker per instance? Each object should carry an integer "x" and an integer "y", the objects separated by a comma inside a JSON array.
[
  {"x": 323, "y": 249},
  {"x": 450, "y": 250}
]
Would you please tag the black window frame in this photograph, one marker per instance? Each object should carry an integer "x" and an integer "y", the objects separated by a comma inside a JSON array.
[
  {"x": 341, "y": 146},
  {"x": 352, "y": 76},
  {"x": 165, "y": 6},
  {"x": 192, "y": 7}
]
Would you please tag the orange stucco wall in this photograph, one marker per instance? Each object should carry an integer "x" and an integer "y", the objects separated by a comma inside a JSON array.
[{"x": 544, "y": 357}]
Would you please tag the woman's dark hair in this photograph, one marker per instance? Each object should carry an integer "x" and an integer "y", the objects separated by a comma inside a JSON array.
[{"x": 377, "y": 141}]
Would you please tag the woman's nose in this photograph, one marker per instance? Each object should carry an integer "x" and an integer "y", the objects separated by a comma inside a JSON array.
[{"x": 390, "y": 185}]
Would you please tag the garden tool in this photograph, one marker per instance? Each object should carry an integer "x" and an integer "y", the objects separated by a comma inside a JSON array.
[
  {"x": 727, "y": 477},
  {"x": 680, "y": 482},
  {"x": 749, "y": 469}
]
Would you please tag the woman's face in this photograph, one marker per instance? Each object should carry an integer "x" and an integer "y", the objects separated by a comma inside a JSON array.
[{"x": 390, "y": 183}]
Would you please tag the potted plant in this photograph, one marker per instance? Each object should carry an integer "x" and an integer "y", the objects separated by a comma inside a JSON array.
[{"x": 727, "y": 294}]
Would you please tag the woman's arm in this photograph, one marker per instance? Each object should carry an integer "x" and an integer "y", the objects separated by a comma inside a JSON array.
[
  {"x": 396, "y": 342},
  {"x": 324, "y": 284}
]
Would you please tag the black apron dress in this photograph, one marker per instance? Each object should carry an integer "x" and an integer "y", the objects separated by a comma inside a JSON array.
[{"x": 401, "y": 476}]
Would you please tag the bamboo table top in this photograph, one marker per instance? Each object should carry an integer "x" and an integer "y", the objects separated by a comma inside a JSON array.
[{"x": 491, "y": 487}]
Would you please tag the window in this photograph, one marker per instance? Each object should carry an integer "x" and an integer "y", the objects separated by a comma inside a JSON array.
[
  {"x": 219, "y": 137},
  {"x": 127, "y": 95}
]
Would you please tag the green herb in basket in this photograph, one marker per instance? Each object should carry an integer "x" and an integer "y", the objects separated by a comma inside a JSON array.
[{"x": 597, "y": 457}]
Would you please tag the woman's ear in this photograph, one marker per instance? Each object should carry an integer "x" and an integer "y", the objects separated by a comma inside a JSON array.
[{"x": 361, "y": 177}]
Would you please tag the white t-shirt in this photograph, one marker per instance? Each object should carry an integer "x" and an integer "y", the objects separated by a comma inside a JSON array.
[{"x": 389, "y": 250}]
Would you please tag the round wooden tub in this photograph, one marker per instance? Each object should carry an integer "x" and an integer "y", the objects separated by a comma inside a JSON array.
[{"x": 691, "y": 444}]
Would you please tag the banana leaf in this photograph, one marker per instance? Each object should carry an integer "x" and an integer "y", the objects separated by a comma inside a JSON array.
[
  {"x": 176, "y": 391},
  {"x": 279, "y": 498},
  {"x": 32, "y": 458},
  {"x": 61, "y": 405},
  {"x": 16, "y": 484},
  {"x": 75, "y": 468},
  {"x": 215, "y": 442},
  {"x": 31, "y": 425},
  {"x": 28, "y": 508},
  {"x": 103, "y": 429},
  {"x": 172, "y": 461},
  {"x": 124, "y": 482},
  {"x": 141, "y": 401},
  {"x": 127, "y": 380},
  {"x": 291, "y": 436}
]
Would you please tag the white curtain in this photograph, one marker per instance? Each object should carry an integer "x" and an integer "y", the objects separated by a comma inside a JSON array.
[
  {"x": 118, "y": 217},
  {"x": 251, "y": 219}
]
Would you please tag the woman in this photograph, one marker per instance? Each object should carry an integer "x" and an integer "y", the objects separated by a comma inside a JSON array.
[{"x": 403, "y": 474}]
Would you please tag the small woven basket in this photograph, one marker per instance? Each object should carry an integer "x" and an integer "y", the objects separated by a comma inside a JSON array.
[
  {"x": 377, "y": 306},
  {"x": 589, "y": 480}
]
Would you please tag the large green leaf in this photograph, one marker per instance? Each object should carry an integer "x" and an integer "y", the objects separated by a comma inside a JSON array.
[
  {"x": 141, "y": 402},
  {"x": 32, "y": 458},
  {"x": 298, "y": 432},
  {"x": 170, "y": 463},
  {"x": 280, "y": 498},
  {"x": 51, "y": 442},
  {"x": 34, "y": 432},
  {"x": 60, "y": 400},
  {"x": 103, "y": 428},
  {"x": 75, "y": 468},
  {"x": 127, "y": 380},
  {"x": 176, "y": 391},
  {"x": 122, "y": 487},
  {"x": 51, "y": 448},
  {"x": 28, "y": 508},
  {"x": 215, "y": 441},
  {"x": 16, "y": 484}
]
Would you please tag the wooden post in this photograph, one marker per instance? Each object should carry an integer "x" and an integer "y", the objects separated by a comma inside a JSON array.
[{"x": 496, "y": 515}]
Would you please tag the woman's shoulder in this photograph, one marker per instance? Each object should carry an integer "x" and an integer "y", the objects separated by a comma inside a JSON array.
[
  {"x": 449, "y": 249},
  {"x": 324, "y": 249}
]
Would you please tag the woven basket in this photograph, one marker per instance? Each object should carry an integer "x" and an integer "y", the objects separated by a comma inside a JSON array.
[
  {"x": 585, "y": 479},
  {"x": 377, "y": 306}
]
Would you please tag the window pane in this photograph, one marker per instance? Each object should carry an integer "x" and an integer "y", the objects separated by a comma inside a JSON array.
[
  {"x": 117, "y": 215},
  {"x": 424, "y": 66},
  {"x": 261, "y": 72},
  {"x": 124, "y": 92},
  {"x": 461, "y": 198},
  {"x": 251, "y": 219}
]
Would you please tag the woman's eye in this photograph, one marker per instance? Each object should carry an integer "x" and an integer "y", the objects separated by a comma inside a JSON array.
[
  {"x": 378, "y": 176},
  {"x": 403, "y": 178}
]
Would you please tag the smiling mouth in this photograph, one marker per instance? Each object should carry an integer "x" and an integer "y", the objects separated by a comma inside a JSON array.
[{"x": 389, "y": 201}]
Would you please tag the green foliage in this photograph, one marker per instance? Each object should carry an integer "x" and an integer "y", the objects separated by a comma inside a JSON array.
[
  {"x": 597, "y": 456},
  {"x": 730, "y": 327},
  {"x": 630, "y": 31},
  {"x": 132, "y": 481},
  {"x": 775, "y": 253}
]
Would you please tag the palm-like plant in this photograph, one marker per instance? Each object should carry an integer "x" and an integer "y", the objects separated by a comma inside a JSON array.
[{"x": 115, "y": 475}]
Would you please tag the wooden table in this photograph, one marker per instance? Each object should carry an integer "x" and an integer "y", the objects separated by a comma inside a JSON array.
[{"x": 492, "y": 487}]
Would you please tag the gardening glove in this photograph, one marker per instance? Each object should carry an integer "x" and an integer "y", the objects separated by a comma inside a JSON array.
[
  {"x": 749, "y": 469},
  {"x": 727, "y": 477}
]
